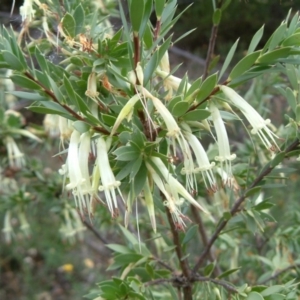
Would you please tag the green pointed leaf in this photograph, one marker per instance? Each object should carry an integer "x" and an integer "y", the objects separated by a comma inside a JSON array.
[
  {"x": 155, "y": 59},
  {"x": 13, "y": 62},
  {"x": 293, "y": 40},
  {"x": 69, "y": 25},
  {"x": 228, "y": 58},
  {"x": 243, "y": 65},
  {"x": 272, "y": 290},
  {"x": 136, "y": 14},
  {"x": 180, "y": 108},
  {"x": 81, "y": 126},
  {"x": 207, "y": 87},
  {"x": 291, "y": 99},
  {"x": 217, "y": 16},
  {"x": 29, "y": 96},
  {"x": 190, "y": 234},
  {"x": 196, "y": 115},
  {"x": 119, "y": 248},
  {"x": 228, "y": 272},
  {"x": 128, "y": 235},
  {"x": 135, "y": 167},
  {"x": 255, "y": 40},
  {"x": 253, "y": 191},
  {"x": 159, "y": 7},
  {"x": 127, "y": 153},
  {"x": 79, "y": 17},
  {"x": 278, "y": 159},
  {"x": 254, "y": 296},
  {"x": 146, "y": 17},
  {"x": 271, "y": 57},
  {"x": 209, "y": 269},
  {"x": 140, "y": 179},
  {"x": 277, "y": 36},
  {"x": 25, "y": 82},
  {"x": 41, "y": 60}
]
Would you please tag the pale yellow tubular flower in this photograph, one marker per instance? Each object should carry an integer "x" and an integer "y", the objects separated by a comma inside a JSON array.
[
  {"x": 109, "y": 184},
  {"x": 126, "y": 110},
  {"x": 7, "y": 228},
  {"x": 169, "y": 201},
  {"x": 164, "y": 64},
  {"x": 15, "y": 156},
  {"x": 259, "y": 125},
  {"x": 177, "y": 187},
  {"x": 171, "y": 83},
  {"x": 25, "y": 227},
  {"x": 76, "y": 168},
  {"x": 65, "y": 129},
  {"x": 91, "y": 91},
  {"x": 51, "y": 125},
  {"x": 9, "y": 87},
  {"x": 224, "y": 157},
  {"x": 140, "y": 73},
  {"x": 204, "y": 165},
  {"x": 26, "y": 11}
]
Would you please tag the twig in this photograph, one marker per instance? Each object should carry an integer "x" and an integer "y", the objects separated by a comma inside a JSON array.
[
  {"x": 204, "y": 238},
  {"x": 236, "y": 206},
  {"x": 158, "y": 281},
  {"x": 222, "y": 283},
  {"x": 211, "y": 48},
  {"x": 94, "y": 231},
  {"x": 278, "y": 273},
  {"x": 187, "y": 288},
  {"x": 212, "y": 43},
  {"x": 163, "y": 263},
  {"x": 66, "y": 107}
]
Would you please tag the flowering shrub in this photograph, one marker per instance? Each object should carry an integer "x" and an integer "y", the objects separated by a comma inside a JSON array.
[{"x": 132, "y": 134}]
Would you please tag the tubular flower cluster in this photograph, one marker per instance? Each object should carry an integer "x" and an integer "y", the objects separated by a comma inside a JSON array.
[
  {"x": 171, "y": 189},
  {"x": 224, "y": 157},
  {"x": 76, "y": 169},
  {"x": 259, "y": 125},
  {"x": 204, "y": 165},
  {"x": 171, "y": 83},
  {"x": 175, "y": 135},
  {"x": 109, "y": 184}
]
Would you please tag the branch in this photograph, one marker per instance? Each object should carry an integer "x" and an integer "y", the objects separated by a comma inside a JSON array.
[
  {"x": 158, "y": 281},
  {"x": 66, "y": 107},
  {"x": 211, "y": 48},
  {"x": 89, "y": 226},
  {"x": 204, "y": 238},
  {"x": 278, "y": 273},
  {"x": 187, "y": 288},
  {"x": 222, "y": 283},
  {"x": 236, "y": 206},
  {"x": 161, "y": 262}
]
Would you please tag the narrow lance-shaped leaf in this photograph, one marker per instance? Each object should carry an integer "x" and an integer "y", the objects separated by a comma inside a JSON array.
[
  {"x": 68, "y": 25},
  {"x": 228, "y": 58},
  {"x": 150, "y": 204},
  {"x": 159, "y": 7},
  {"x": 255, "y": 40},
  {"x": 136, "y": 14}
]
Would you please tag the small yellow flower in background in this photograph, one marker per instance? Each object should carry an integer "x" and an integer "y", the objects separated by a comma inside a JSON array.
[
  {"x": 89, "y": 263},
  {"x": 67, "y": 268}
]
